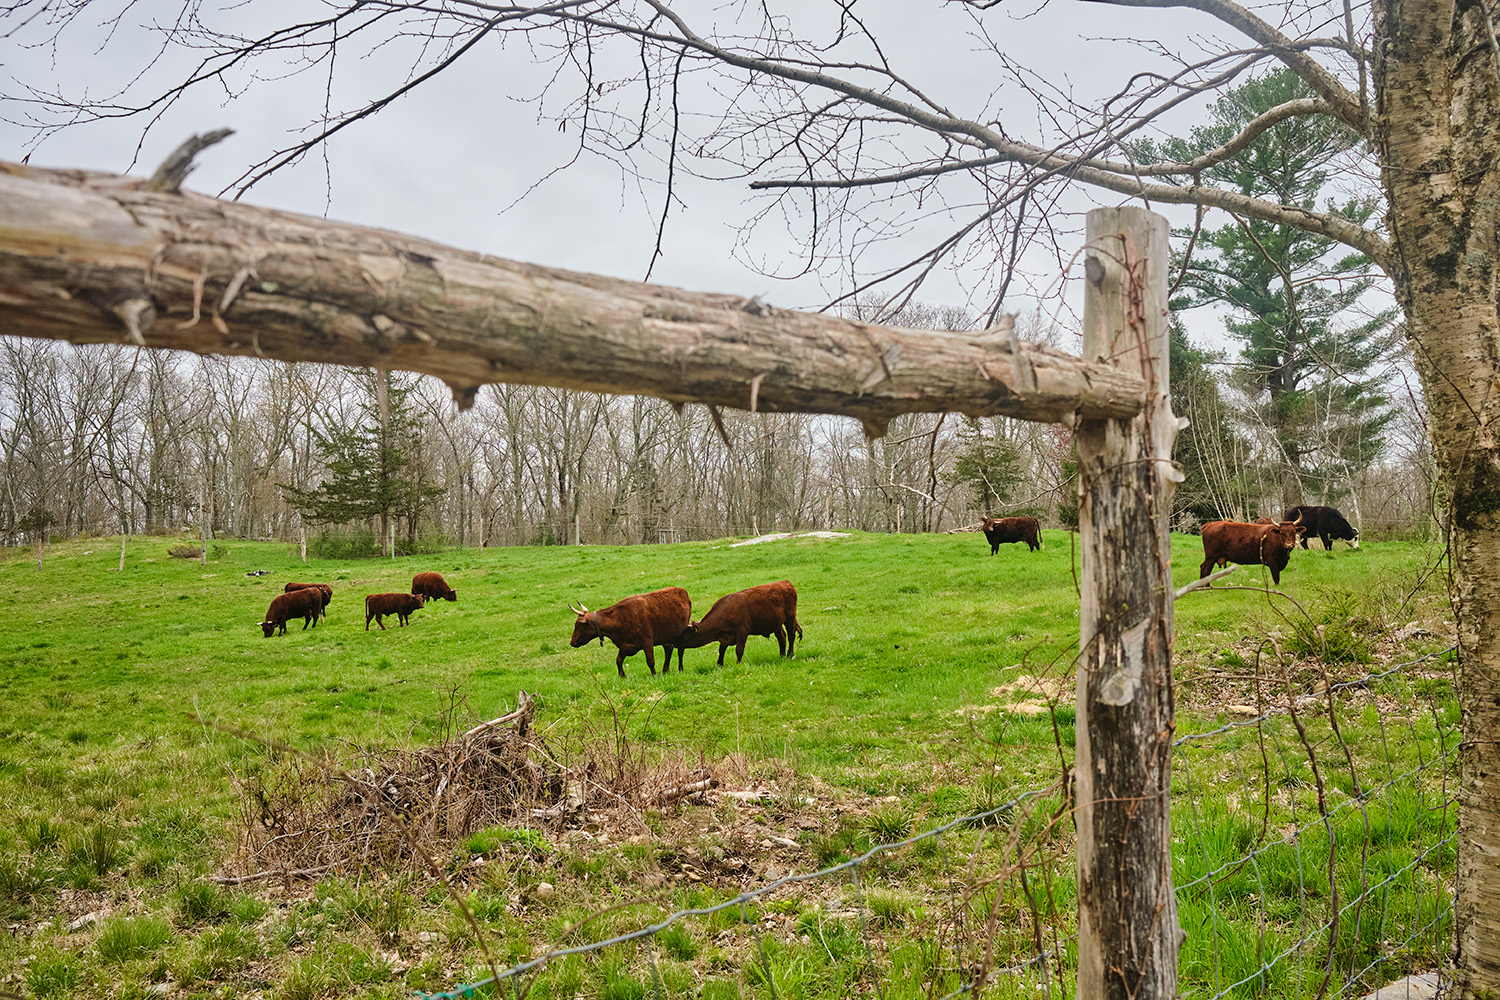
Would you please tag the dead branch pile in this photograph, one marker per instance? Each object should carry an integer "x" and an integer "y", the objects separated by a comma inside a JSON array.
[
  {"x": 395, "y": 810},
  {"x": 406, "y": 810}
]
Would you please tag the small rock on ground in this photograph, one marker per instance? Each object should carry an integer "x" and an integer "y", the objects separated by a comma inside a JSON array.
[{"x": 1423, "y": 987}]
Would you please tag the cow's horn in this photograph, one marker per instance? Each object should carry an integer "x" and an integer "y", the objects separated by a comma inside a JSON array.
[{"x": 571, "y": 608}]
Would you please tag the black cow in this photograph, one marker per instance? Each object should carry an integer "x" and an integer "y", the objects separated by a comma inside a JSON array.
[
  {"x": 323, "y": 588},
  {"x": 1013, "y": 529},
  {"x": 1325, "y": 522}
]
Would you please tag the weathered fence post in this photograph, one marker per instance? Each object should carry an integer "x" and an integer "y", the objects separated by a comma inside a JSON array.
[{"x": 1127, "y": 914}]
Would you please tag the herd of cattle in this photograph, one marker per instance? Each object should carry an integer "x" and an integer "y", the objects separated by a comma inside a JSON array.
[
  {"x": 309, "y": 601},
  {"x": 635, "y": 624},
  {"x": 642, "y": 622},
  {"x": 1264, "y": 542}
]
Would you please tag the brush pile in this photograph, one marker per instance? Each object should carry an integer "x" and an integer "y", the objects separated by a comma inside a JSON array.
[
  {"x": 396, "y": 810},
  {"x": 409, "y": 809}
]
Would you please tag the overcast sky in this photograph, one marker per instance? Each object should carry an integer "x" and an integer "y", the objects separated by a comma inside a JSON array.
[{"x": 449, "y": 161}]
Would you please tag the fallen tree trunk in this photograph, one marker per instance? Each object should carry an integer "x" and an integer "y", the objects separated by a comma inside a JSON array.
[{"x": 95, "y": 258}]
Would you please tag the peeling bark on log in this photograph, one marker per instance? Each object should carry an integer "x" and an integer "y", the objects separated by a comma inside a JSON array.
[
  {"x": 1128, "y": 936},
  {"x": 93, "y": 258}
]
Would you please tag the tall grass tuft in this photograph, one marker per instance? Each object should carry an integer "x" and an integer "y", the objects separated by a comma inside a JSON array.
[{"x": 122, "y": 939}]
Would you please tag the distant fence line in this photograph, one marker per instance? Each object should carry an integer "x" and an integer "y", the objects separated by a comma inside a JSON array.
[{"x": 609, "y": 533}]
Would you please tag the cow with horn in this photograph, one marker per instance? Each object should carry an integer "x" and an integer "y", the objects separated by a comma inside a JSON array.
[{"x": 637, "y": 623}]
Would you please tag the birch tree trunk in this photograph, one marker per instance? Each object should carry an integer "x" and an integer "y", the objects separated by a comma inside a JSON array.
[
  {"x": 1127, "y": 914},
  {"x": 1436, "y": 70}
]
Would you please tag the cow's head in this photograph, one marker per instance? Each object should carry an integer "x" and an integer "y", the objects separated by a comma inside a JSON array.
[
  {"x": 269, "y": 628},
  {"x": 585, "y": 627},
  {"x": 1279, "y": 540}
]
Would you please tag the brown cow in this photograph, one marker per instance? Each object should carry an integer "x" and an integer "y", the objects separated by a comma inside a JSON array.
[
  {"x": 1268, "y": 545},
  {"x": 325, "y": 588},
  {"x": 1013, "y": 529},
  {"x": 306, "y": 604},
  {"x": 638, "y": 623},
  {"x": 432, "y": 586},
  {"x": 769, "y": 609},
  {"x": 379, "y": 605}
]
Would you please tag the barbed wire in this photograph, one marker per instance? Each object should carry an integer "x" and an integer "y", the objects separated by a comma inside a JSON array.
[
  {"x": 1308, "y": 699},
  {"x": 1441, "y": 762},
  {"x": 748, "y": 896}
]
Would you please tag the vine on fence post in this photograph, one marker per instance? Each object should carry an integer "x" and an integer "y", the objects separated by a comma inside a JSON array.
[{"x": 1128, "y": 934}]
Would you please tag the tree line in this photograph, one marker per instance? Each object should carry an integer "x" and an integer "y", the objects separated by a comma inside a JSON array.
[{"x": 113, "y": 439}]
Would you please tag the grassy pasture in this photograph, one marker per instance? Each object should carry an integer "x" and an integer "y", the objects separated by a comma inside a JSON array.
[{"x": 116, "y": 790}]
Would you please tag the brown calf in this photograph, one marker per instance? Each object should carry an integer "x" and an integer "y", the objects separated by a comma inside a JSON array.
[
  {"x": 432, "y": 586},
  {"x": 401, "y": 605},
  {"x": 306, "y": 604},
  {"x": 769, "y": 609},
  {"x": 638, "y": 623}
]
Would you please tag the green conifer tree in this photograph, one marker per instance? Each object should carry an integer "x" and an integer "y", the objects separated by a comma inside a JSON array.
[
  {"x": 1306, "y": 359},
  {"x": 372, "y": 472}
]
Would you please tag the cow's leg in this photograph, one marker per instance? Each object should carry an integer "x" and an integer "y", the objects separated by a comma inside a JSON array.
[
  {"x": 722, "y": 646},
  {"x": 380, "y": 620},
  {"x": 620, "y": 661},
  {"x": 781, "y": 639},
  {"x": 651, "y": 657},
  {"x": 739, "y": 649},
  {"x": 1203, "y": 570},
  {"x": 791, "y": 637}
]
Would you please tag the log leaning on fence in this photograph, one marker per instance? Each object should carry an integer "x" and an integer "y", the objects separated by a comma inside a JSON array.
[{"x": 93, "y": 258}]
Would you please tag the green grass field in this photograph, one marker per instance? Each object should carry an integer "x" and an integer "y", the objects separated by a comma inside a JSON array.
[{"x": 136, "y": 706}]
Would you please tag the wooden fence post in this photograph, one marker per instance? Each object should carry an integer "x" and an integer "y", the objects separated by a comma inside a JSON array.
[{"x": 1128, "y": 934}]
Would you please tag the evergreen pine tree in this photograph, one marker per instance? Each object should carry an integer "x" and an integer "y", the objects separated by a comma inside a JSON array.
[
  {"x": 1306, "y": 364},
  {"x": 372, "y": 472}
]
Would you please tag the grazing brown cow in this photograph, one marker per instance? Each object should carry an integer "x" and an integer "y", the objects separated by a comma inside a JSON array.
[
  {"x": 432, "y": 586},
  {"x": 769, "y": 609},
  {"x": 326, "y": 590},
  {"x": 1013, "y": 529},
  {"x": 306, "y": 604},
  {"x": 1268, "y": 545},
  {"x": 401, "y": 605},
  {"x": 638, "y": 623}
]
